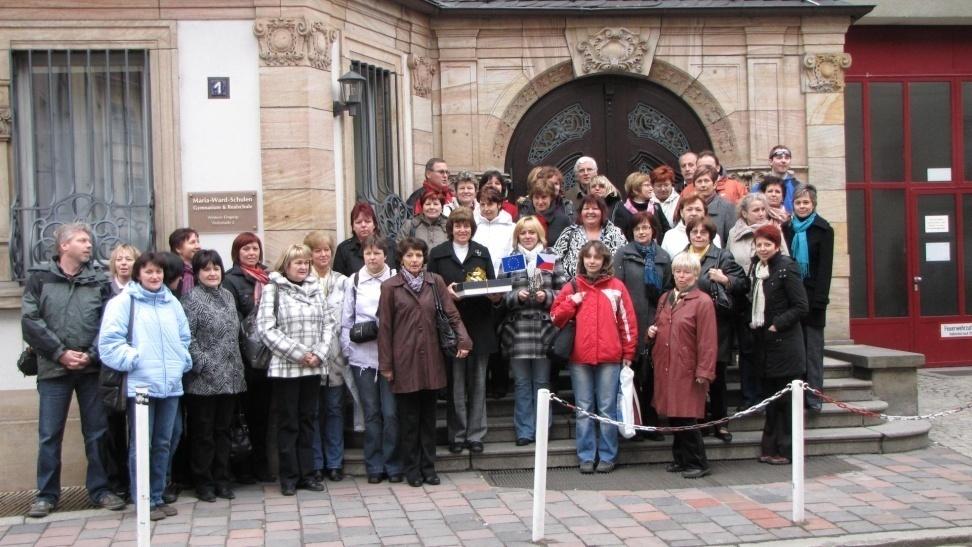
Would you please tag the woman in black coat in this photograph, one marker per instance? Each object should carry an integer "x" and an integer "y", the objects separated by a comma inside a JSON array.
[
  {"x": 725, "y": 281},
  {"x": 645, "y": 285},
  {"x": 811, "y": 242},
  {"x": 779, "y": 302},
  {"x": 458, "y": 260},
  {"x": 349, "y": 255},
  {"x": 245, "y": 281}
]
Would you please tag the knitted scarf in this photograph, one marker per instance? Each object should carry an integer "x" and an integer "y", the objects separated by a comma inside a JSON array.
[
  {"x": 759, "y": 298},
  {"x": 634, "y": 207},
  {"x": 801, "y": 250},
  {"x": 414, "y": 282},
  {"x": 648, "y": 253},
  {"x": 259, "y": 277}
]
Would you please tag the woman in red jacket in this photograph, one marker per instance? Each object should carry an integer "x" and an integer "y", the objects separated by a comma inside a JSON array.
[
  {"x": 685, "y": 351},
  {"x": 607, "y": 330}
]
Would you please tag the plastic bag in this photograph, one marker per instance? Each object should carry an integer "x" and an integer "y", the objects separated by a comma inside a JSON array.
[{"x": 629, "y": 409}]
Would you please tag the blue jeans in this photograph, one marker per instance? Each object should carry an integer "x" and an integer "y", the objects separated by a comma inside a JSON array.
[
  {"x": 381, "y": 453},
  {"x": 329, "y": 434},
  {"x": 596, "y": 384},
  {"x": 529, "y": 375},
  {"x": 162, "y": 418},
  {"x": 55, "y": 400}
]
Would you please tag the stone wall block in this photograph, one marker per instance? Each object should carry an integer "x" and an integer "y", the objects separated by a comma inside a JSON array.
[
  {"x": 825, "y": 141},
  {"x": 290, "y": 168},
  {"x": 825, "y": 108},
  {"x": 296, "y": 128},
  {"x": 306, "y": 209},
  {"x": 295, "y": 86}
]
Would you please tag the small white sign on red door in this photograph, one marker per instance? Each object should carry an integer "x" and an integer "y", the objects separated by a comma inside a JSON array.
[
  {"x": 956, "y": 330},
  {"x": 936, "y": 224}
]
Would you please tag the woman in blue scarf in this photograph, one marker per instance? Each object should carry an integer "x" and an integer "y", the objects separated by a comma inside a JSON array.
[
  {"x": 811, "y": 241},
  {"x": 646, "y": 270}
]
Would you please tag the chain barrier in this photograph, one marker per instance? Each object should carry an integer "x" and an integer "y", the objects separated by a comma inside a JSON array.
[
  {"x": 889, "y": 417},
  {"x": 759, "y": 407}
]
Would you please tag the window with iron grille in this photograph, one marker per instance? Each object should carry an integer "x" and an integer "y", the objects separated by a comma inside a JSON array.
[
  {"x": 82, "y": 150},
  {"x": 376, "y": 135}
]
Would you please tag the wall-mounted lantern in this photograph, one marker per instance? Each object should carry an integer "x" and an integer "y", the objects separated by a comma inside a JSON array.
[{"x": 352, "y": 92}]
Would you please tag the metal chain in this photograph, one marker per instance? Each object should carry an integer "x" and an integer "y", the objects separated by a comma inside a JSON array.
[
  {"x": 758, "y": 407},
  {"x": 888, "y": 417}
]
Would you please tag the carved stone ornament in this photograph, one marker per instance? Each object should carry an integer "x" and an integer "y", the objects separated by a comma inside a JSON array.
[
  {"x": 824, "y": 72},
  {"x": 422, "y": 73},
  {"x": 6, "y": 124},
  {"x": 319, "y": 41},
  {"x": 294, "y": 42},
  {"x": 613, "y": 49}
]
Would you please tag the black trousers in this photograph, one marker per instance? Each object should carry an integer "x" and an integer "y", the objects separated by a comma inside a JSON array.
[
  {"x": 645, "y": 387},
  {"x": 116, "y": 452},
  {"x": 416, "y": 433},
  {"x": 778, "y": 428},
  {"x": 256, "y": 408},
  {"x": 688, "y": 450},
  {"x": 718, "y": 401},
  {"x": 296, "y": 404},
  {"x": 210, "y": 418}
]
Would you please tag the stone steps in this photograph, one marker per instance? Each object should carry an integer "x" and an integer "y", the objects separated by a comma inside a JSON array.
[{"x": 832, "y": 431}]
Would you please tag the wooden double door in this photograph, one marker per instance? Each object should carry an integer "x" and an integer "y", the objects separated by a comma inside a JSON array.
[{"x": 625, "y": 123}]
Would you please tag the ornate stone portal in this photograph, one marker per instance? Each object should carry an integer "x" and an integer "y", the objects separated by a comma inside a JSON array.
[{"x": 292, "y": 42}]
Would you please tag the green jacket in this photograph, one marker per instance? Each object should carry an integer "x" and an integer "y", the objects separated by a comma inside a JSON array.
[{"x": 62, "y": 313}]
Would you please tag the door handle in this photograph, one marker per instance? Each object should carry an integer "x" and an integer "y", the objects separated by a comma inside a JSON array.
[{"x": 916, "y": 280}]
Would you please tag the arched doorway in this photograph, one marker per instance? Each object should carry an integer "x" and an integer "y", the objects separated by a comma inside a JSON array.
[{"x": 627, "y": 124}]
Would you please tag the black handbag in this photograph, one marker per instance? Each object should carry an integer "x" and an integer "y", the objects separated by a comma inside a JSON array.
[
  {"x": 365, "y": 331},
  {"x": 27, "y": 363},
  {"x": 562, "y": 343},
  {"x": 721, "y": 298},
  {"x": 256, "y": 354},
  {"x": 448, "y": 338},
  {"x": 113, "y": 384}
]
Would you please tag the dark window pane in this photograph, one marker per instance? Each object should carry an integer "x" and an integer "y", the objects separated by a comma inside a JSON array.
[
  {"x": 967, "y": 231},
  {"x": 967, "y": 124},
  {"x": 854, "y": 132},
  {"x": 856, "y": 241},
  {"x": 938, "y": 263},
  {"x": 887, "y": 132},
  {"x": 931, "y": 128},
  {"x": 890, "y": 277},
  {"x": 375, "y": 134}
]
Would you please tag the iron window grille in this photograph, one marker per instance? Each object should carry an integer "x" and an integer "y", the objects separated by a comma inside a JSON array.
[
  {"x": 376, "y": 135},
  {"x": 82, "y": 151}
]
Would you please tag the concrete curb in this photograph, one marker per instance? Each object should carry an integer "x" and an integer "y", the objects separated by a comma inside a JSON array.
[{"x": 909, "y": 538}]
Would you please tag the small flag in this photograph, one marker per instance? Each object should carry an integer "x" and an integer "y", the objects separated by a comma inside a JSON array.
[
  {"x": 514, "y": 263},
  {"x": 546, "y": 261}
]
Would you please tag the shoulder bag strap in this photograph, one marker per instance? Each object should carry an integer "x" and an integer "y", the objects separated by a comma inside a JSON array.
[
  {"x": 435, "y": 293},
  {"x": 131, "y": 319}
]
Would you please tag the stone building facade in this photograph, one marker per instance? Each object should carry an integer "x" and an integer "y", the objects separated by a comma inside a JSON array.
[{"x": 465, "y": 74}]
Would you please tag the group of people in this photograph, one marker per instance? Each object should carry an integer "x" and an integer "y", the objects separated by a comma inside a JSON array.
[{"x": 673, "y": 283}]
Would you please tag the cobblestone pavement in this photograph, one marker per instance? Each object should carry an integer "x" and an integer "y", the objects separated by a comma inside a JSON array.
[
  {"x": 941, "y": 389},
  {"x": 919, "y": 493}
]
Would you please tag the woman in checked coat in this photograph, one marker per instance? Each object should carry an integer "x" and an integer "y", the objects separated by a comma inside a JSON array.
[
  {"x": 294, "y": 323},
  {"x": 527, "y": 330}
]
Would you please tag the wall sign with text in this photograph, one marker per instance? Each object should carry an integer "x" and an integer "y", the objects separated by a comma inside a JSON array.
[{"x": 223, "y": 212}]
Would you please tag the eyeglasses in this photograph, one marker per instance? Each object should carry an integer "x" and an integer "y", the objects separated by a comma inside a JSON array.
[{"x": 781, "y": 154}]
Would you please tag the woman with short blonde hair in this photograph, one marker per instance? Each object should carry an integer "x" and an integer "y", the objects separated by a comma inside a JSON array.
[
  {"x": 294, "y": 324},
  {"x": 123, "y": 257}
]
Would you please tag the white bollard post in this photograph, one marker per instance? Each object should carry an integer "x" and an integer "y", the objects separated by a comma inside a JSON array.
[
  {"x": 142, "y": 486},
  {"x": 796, "y": 398},
  {"x": 540, "y": 463}
]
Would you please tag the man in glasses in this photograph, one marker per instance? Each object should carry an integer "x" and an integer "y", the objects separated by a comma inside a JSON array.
[{"x": 436, "y": 181}]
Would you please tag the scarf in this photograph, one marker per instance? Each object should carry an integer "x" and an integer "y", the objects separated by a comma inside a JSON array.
[
  {"x": 429, "y": 186},
  {"x": 648, "y": 253},
  {"x": 700, "y": 254},
  {"x": 633, "y": 207},
  {"x": 778, "y": 215},
  {"x": 759, "y": 298},
  {"x": 259, "y": 277},
  {"x": 801, "y": 250},
  {"x": 414, "y": 282},
  {"x": 530, "y": 257},
  {"x": 675, "y": 295},
  {"x": 188, "y": 278}
]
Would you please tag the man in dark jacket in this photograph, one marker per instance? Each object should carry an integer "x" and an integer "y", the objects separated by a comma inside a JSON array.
[
  {"x": 436, "y": 180},
  {"x": 62, "y": 306}
]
